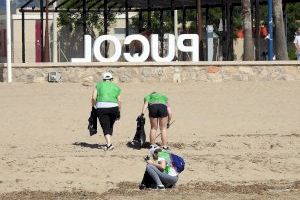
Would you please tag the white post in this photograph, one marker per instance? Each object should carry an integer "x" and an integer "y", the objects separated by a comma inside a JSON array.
[
  {"x": 54, "y": 24},
  {"x": 210, "y": 42},
  {"x": 176, "y": 31},
  {"x": 8, "y": 41}
]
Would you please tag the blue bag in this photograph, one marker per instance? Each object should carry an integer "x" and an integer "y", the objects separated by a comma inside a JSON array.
[{"x": 177, "y": 162}]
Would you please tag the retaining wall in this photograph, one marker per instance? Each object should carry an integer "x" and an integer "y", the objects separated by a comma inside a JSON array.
[{"x": 163, "y": 72}]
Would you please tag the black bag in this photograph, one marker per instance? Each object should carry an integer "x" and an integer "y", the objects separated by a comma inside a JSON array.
[
  {"x": 92, "y": 127},
  {"x": 147, "y": 181},
  {"x": 140, "y": 136}
]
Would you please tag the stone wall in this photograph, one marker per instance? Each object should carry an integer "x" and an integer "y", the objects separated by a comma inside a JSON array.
[{"x": 163, "y": 72}]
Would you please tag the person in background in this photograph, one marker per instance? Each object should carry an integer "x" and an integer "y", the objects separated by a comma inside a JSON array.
[
  {"x": 297, "y": 43},
  {"x": 160, "y": 115},
  {"x": 159, "y": 170},
  {"x": 106, "y": 99}
]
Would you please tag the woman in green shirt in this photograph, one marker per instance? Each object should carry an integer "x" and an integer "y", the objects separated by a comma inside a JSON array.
[
  {"x": 159, "y": 115},
  {"x": 106, "y": 99}
]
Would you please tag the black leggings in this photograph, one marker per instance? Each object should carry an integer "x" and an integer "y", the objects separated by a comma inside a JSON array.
[{"x": 107, "y": 118}]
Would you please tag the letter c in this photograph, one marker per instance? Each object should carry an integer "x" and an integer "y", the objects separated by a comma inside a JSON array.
[{"x": 145, "y": 52}]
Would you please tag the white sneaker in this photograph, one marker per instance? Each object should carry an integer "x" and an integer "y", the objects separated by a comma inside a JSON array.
[{"x": 108, "y": 147}]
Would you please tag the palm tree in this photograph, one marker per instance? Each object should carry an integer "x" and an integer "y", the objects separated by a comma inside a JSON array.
[
  {"x": 248, "y": 39},
  {"x": 280, "y": 37}
]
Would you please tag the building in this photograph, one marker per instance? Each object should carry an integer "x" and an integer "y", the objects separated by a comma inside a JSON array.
[{"x": 65, "y": 50}]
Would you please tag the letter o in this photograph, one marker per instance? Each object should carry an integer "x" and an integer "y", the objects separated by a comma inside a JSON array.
[{"x": 97, "y": 50}]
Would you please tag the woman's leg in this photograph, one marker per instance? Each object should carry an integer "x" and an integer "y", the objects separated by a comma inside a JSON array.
[
  {"x": 153, "y": 129},
  {"x": 163, "y": 128},
  {"x": 109, "y": 132},
  {"x": 160, "y": 177},
  {"x": 106, "y": 122}
]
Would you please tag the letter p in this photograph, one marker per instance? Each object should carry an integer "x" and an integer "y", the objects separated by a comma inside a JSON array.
[{"x": 194, "y": 47}]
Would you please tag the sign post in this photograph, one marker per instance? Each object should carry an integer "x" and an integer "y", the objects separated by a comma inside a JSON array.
[
  {"x": 270, "y": 29},
  {"x": 8, "y": 41}
]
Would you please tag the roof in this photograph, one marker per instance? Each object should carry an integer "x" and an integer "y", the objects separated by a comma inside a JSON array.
[{"x": 136, "y": 4}]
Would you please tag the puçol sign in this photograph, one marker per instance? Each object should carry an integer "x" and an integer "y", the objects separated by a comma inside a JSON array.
[{"x": 148, "y": 48}]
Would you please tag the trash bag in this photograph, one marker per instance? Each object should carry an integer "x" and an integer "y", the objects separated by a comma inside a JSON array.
[
  {"x": 92, "y": 127},
  {"x": 140, "y": 136}
]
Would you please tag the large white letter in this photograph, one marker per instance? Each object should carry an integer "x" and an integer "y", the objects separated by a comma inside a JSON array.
[
  {"x": 194, "y": 48},
  {"x": 155, "y": 51},
  {"x": 87, "y": 50},
  {"x": 97, "y": 48},
  {"x": 145, "y": 52}
]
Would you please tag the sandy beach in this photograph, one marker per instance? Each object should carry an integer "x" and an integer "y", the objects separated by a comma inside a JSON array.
[{"x": 240, "y": 140}]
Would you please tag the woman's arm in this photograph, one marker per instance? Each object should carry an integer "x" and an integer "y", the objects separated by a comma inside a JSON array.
[
  {"x": 161, "y": 165},
  {"x": 119, "y": 102},
  {"x": 169, "y": 113},
  {"x": 94, "y": 97},
  {"x": 144, "y": 107}
]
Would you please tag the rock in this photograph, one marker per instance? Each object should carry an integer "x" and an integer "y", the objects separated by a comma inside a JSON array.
[
  {"x": 29, "y": 78},
  {"x": 213, "y": 69},
  {"x": 124, "y": 78},
  {"x": 87, "y": 84},
  {"x": 288, "y": 77},
  {"x": 40, "y": 79},
  {"x": 246, "y": 70},
  {"x": 177, "y": 78},
  {"x": 216, "y": 77},
  {"x": 146, "y": 71}
]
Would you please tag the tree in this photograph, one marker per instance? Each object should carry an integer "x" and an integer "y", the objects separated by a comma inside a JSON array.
[
  {"x": 293, "y": 16},
  {"x": 248, "y": 41},
  {"x": 71, "y": 26},
  {"x": 280, "y": 37}
]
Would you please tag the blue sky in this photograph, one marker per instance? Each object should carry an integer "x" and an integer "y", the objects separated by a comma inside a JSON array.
[
  {"x": 2, "y": 4},
  {"x": 14, "y": 3}
]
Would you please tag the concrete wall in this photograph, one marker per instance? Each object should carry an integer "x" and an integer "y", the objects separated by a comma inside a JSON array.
[{"x": 163, "y": 72}]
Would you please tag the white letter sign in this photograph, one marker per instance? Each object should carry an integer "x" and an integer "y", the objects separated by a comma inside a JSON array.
[
  {"x": 87, "y": 50},
  {"x": 194, "y": 48},
  {"x": 97, "y": 48},
  {"x": 145, "y": 52},
  {"x": 155, "y": 52}
]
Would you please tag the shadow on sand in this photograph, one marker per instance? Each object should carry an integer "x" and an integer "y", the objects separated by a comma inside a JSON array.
[
  {"x": 136, "y": 145},
  {"x": 87, "y": 145}
]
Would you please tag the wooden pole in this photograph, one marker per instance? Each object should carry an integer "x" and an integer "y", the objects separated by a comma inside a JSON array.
[
  {"x": 161, "y": 24},
  {"x": 199, "y": 29},
  {"x": 149, "y": 15},
  {"x": 23, "y": 37},
  {"x": 257, "y": 27},
  {"x": 46, "y": 56},
  {"x": 42, "y": 29},
  {"x": 105, "y": 27}
]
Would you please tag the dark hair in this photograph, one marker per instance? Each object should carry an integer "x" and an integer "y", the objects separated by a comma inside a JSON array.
[{"x": 157, "y": 151}]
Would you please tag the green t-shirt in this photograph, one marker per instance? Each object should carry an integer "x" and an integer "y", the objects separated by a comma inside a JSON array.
[
  {"x": 107, "y": 92},
  {"x": 156, "y": 98},
  {"x": 163, "y": 155}
]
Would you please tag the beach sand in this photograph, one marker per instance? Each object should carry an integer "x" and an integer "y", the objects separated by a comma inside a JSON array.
[{"x": 240, "y": 140}]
